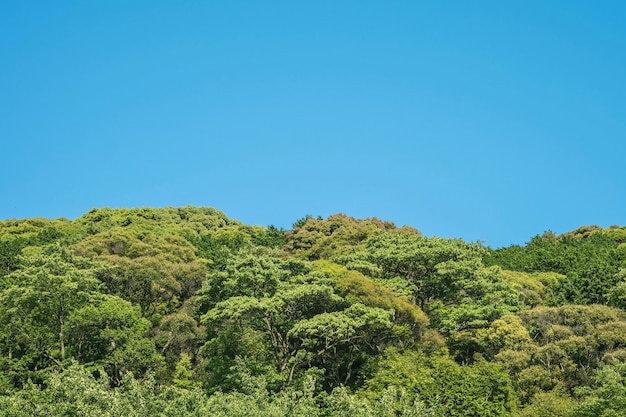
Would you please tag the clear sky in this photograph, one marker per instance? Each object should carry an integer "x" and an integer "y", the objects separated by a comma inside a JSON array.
[{"x": 486, "y": 120}]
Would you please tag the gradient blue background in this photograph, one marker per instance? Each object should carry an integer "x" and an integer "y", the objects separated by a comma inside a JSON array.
[{"x": 487, "y": 120}]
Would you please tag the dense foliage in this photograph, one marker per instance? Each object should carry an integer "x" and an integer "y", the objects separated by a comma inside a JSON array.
[{"x": 185, "y": 312}]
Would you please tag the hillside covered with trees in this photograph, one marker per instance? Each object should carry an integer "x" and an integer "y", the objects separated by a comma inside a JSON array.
[{"x": 186, "y": 312}]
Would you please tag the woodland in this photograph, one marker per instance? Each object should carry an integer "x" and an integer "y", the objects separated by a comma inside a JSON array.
[{"x": 186, "y": 312}]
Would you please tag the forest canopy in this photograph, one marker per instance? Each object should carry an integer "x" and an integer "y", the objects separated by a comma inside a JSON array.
[{"x": 186, "y": 312}]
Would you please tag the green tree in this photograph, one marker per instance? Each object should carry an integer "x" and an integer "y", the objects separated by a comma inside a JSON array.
[
  {"x": 52, "y": 309},
  {"x": 184, "y": 376},
  {"x": 292, "y": 318},
  {"x": 316, "y": 238},
  {"x": 42, "y": 294},
  {"x": 588, "y": 257},
  {"x": 482, "y": 389},
  {"x": 608, "y": 397},
  {"x": 555, "y": 403},
  {"x": 436, "y": 269}
]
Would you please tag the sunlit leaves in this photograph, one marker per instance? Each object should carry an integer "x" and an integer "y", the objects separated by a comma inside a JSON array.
[
  {"x": 323, "y": 239},
  {"x": 53, "y": 309},
  {"x": 589, "y": 258},
  {"x": 483, "y": 389}
]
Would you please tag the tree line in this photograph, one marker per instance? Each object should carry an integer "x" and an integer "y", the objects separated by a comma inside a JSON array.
[{"x": 186, "y": 312}]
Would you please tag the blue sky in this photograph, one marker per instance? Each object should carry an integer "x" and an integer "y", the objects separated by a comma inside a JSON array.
[{"x": 486, "y": 120}]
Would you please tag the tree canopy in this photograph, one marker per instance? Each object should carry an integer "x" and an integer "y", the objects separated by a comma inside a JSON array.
[{"x": 186, "y": 312}]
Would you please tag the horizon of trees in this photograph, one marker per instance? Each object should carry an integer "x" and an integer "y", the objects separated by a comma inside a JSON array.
[{"x": 186, "y": 312}]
